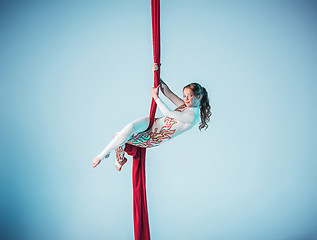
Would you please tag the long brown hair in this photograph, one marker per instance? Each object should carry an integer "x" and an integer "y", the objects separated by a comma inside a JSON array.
[{"x": 205, "y": 112}]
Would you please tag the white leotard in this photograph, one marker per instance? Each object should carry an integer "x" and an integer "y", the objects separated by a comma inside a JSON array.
[{"x": 163, "y": 129}]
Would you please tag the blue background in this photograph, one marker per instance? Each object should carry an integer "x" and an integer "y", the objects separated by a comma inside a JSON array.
[{"x": 73, "y": 73}]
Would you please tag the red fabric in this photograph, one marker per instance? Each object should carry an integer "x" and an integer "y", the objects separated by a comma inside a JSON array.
[
  {"x": 140, "y": 213},
  {"x": 156, "y": 50}
]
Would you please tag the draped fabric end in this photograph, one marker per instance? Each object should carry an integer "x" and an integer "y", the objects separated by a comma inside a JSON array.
[{"x": 140, "y": 213}]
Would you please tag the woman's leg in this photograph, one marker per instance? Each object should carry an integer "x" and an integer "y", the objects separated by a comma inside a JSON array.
[
  {"x": 120, "y": 158},
  {"x": 138, "y": 125}
]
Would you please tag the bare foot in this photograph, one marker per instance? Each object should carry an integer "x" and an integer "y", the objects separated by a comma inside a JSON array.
[
  {"x": 119, "y": 164},
  {"x": 95, "y": 162}
]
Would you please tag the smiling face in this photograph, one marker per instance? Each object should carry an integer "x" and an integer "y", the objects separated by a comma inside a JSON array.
[{"x": 190, "y": 99}]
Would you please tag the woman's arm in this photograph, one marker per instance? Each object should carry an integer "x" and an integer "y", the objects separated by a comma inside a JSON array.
[
  {"x": 166, "y": 90},
  {"x": 181, "y": 116},
  {"x": 170, "y": 95}
]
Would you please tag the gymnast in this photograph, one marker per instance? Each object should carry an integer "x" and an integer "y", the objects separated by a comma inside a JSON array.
[{"x": 195, "y": 104}]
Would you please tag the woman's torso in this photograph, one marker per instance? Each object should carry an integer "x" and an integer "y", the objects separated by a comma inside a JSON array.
[{"x": 165, "y": 128}]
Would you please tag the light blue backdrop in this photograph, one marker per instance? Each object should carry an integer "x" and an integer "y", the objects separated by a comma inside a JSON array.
[{"x": 73, "y": 73}]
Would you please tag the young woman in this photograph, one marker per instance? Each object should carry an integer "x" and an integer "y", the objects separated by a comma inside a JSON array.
[{"x": 194, "y": 105}]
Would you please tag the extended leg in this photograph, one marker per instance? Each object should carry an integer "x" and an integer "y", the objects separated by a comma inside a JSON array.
[{"x": 121, "y": 137}]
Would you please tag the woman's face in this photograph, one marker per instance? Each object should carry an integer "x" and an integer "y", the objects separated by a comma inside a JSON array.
[{"x": 190, "y": 99}]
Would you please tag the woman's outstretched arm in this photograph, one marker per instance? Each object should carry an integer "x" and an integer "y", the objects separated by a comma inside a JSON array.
[
  {"x": 167, "y": 91},
  {"x": 170, "y": 95},
  {"x": 181, "y": 116}
]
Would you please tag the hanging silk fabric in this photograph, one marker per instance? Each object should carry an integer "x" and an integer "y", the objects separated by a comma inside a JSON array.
[{"x": 140, "y": 213}]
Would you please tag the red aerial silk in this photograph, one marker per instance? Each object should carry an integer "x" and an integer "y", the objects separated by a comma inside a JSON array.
[{"x": 140, "y": 214}]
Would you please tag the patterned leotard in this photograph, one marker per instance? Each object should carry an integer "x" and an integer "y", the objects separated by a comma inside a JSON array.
[{"x": 165, "y": 128}]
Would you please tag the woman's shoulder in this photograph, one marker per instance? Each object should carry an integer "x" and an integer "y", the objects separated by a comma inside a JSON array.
[
  {"x": 183, "y": 108},
  {"x": 180, "y": 108},
  {"x": 192, "y": 109}
]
